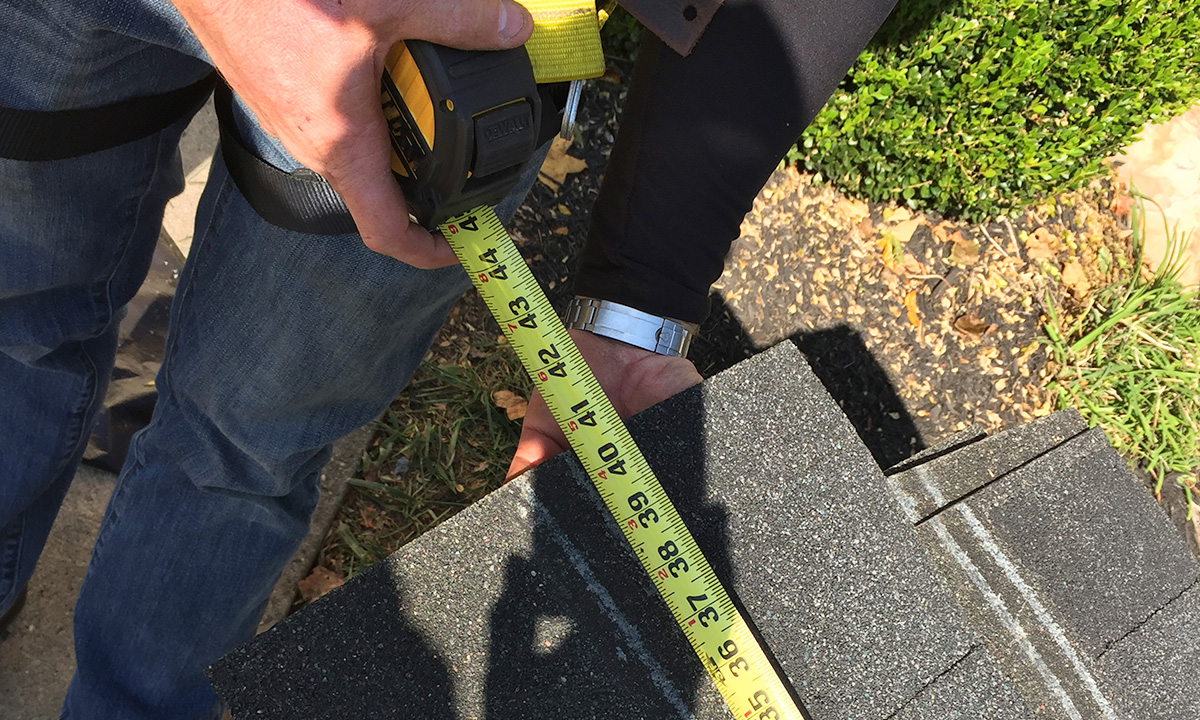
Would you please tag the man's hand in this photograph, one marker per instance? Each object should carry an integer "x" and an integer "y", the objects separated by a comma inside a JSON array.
[
  {"x": 634, "y": 379},
  {"x": 310, "y": 71}
]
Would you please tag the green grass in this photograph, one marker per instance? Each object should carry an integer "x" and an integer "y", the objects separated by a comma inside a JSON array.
[
  {"x": 442, "y": 445},
  {"x": 1129, "y": 361}
]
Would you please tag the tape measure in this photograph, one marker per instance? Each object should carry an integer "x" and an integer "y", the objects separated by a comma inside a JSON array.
[
  {"x": 462, "y": 125},
  {"x": 699, "y": 603}
]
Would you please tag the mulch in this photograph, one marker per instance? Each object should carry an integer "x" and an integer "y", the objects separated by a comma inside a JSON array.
[{"x": 918, "y": 326}]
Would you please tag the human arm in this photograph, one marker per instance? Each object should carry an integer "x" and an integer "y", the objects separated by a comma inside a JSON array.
[
  {"x": 310, "y": 72},
  {"x": 699, "y": 137}
]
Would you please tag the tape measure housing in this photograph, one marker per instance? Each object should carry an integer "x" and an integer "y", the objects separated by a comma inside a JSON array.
[{"x": 462, "y": 125}]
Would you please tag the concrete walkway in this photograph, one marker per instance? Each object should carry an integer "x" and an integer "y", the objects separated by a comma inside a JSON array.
[
  {"x": 1164, "y": 165},
  {"x": 37, "y": 657}
]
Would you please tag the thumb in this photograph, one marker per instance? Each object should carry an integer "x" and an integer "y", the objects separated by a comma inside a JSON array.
[{"x": 470, "y": 24}]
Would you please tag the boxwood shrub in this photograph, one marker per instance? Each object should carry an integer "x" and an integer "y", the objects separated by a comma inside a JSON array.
[{"x": 975, "y": 108}]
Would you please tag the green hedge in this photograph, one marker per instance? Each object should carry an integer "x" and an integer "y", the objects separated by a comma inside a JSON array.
[{"x": 978, "y": 107}]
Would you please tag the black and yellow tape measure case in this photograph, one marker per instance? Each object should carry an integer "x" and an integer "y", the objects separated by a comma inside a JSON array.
[{"x": 462, "y": 125}]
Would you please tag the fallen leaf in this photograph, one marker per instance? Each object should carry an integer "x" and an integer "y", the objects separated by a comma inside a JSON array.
[
  {"x": 558, "y": 164},
  {"x": 910, "y": 303},
  {"x": 964, "y": 252},
  {"x": 904, "y": 230},
  {"x": 866, "y": 229},
  {"x": 320, "y": 581},
  {"x": 912, "y": 265},
  {"x": 514, "y": 405},
  {"x": 367, "y": 517},
  {"x": 1041, "y": 244},
  {"x": 562, "y": 230},
  {"x": 939, "y": 231},
  {"x": 1074, "y": 277},
  {"x": 853, "y": 209},
  {"x": 1121, "y": 205},
  {"x": 971, "y": 325}
]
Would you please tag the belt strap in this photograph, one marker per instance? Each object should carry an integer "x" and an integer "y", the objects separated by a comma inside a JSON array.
[
  {"x": 565, "y": 44},
  {"x": 301, "y": 201},
  {"x": 41, "y": 135}
]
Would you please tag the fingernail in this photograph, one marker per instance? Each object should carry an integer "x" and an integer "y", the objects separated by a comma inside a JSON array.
[{"x": 512, "y": 19}]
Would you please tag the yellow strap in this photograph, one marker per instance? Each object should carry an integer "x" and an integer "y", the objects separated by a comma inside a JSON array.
[{"x": 566, "y": 40}]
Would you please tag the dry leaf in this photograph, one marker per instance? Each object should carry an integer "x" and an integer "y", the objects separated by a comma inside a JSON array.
[
  {"x": 558, "y": 164},
  {"x": 1121, "y": 205},
  {"x": 965, "y": 252},
  {"x": 368, "y": 517},
  {"x": 514, "y": 405},
  {"x": 562, "y": 230},
  {"x": 1074, "y": 277},
  {"x": 912, "y": 265},
  {"x": 853, "y": 209},
  {"x": 910, "y": 304},
  {"x": 971, "y": 325},
  {"x": 320, "y": 581},
  {"x": 866, "y": 229},
  {"x": 1041, "y": 244},
  {"x": 939, "y": 231},
  {"x": 904, "y": 230}
]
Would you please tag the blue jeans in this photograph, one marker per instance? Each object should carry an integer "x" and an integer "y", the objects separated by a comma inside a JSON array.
[{"x": 280, "y": 342}]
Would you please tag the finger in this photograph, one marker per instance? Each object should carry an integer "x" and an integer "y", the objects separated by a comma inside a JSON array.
[
  {"x": 534, "y": 448},
  {"x": 360, "y": 171},
  {"x": 467, "y": 24}
]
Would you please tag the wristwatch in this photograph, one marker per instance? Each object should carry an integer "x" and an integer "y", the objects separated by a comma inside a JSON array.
[{"x": 663, "y": 335}]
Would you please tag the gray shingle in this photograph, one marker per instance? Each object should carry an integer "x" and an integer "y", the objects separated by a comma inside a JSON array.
[
  {"x": 972, "y": 689},
  {"x": 1151, "y": 673},
  {"x": 1055, "y": 561},
  {"x": 530, "y": 603},
  {"x": 946, "y": 478}
]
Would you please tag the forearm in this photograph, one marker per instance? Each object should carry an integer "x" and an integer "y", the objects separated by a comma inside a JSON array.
[{"x": 701, "y": 135}]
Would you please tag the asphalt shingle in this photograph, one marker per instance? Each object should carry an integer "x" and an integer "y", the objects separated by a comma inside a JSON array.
[
  {"x": 530, "y": 603},
  {"x": 1055, "y": 558}
]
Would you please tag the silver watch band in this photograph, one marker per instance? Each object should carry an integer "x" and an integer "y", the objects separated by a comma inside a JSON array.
[{"x": 664, "y": 336}]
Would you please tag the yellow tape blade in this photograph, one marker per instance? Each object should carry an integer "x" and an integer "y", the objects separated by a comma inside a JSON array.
[{"x": 701, "y": 606}]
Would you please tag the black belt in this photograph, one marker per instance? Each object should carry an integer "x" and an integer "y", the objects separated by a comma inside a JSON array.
[
  {"x": 40, "y": 135},
  {"x": 301, "y": 201}
]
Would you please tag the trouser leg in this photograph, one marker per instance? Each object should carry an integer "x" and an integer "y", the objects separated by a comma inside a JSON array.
[
  {"x": 76, "y": 239},
  {"x": 280, "y": 342}
]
